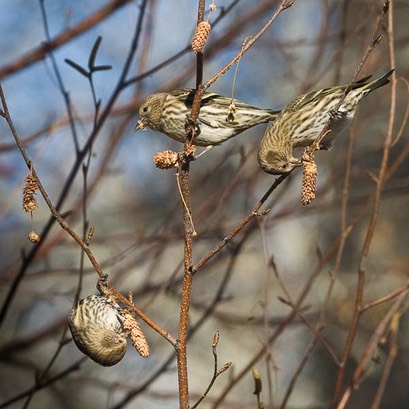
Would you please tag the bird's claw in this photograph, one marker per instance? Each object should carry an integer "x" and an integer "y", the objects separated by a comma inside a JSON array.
[
  {"x": 102, "y": 283},
  {"x": 190, "y": 123}
]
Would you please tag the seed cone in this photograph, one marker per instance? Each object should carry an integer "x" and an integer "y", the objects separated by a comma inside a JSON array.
[
  {"x": 200, "y": 37},
  {"x": 309, "y": 182}
]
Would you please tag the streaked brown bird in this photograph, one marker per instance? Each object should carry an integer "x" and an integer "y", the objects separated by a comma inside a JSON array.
[
  {"x": 302, "y": 120},
  {"x": 96, "y": 327},
  {"x": 220, "y": 118}
]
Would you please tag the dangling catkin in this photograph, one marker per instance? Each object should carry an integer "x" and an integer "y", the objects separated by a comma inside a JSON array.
[
  {"x": 29, "y": 201},
  {"x": 309, "y": 182},
  {"x": 200, "y": 36},
  {"x": 166, "y": 159},
  {"x": 136, "y": 334}
]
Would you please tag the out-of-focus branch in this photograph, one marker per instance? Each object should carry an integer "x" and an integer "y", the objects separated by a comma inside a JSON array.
[
  {"x": 284, "y": 5},
  {"x": 255, "y": 212},
  {"x": 386, "y": 11},
  {"x": 41, "y": 52},
  {"x": 80, "y": 157}
]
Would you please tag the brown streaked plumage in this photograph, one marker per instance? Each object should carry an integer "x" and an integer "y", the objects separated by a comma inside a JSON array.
[
  {"x": 302, "y": 120},
  {"x": 96, "y": 327},
  {"x": 166, "y": 112}
]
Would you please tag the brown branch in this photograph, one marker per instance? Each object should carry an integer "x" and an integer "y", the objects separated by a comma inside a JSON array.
[
  {"x": 283, "y": 6},
  {"x": 206, "y": 315},
  {"x": 255, "y": 212},
  {"x": 181, "y": 350},
  {"x": 298, "y": 371},
  {"x": 369, "y": 351},
  {"x": 385, "y": 298},
  {"x": 216, "y": 371},
  {"x": 393, "y": 352},
  {"x": 376, "y": 208},
  {"x": 64, "y": 225},
  {"x": 43, "y": 384},
  {"x": 280, "y": 327},
  {"x": 78, "y": 162},
  {"x": 41, "y": 52}
]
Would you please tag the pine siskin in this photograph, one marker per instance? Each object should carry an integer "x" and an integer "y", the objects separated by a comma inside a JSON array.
[
  {"x": 220, "y": 118},
  {"x": 96, "y": 327},
  {"x": 302, "y": 120}
]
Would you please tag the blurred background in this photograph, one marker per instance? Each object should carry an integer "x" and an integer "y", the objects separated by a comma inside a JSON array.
[{"x": 246, "y": 291}]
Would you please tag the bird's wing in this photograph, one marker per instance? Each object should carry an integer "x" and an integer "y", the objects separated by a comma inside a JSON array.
[
  {"x": 315, "y": 96},
  {"x": 188, "y": 94}
]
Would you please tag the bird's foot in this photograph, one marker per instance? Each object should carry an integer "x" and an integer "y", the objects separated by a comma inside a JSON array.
[
  {"x": 192, "y": 127},
  {"x": 207, "y": 149}
]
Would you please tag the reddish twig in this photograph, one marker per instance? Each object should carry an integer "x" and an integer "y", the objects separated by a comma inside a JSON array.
[
  {"x": 284, "y": 5},
  {"x": 375, "y": 212},
  {"x": 393, "y": 352}
]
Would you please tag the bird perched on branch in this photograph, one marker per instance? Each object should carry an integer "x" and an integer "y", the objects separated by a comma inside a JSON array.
[
  {"x": 302, "y": 120},
  {"x": 220, "y": 118},
  {"x": 96, "y": 327}
]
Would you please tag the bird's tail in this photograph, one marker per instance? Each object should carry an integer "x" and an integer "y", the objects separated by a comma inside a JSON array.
[{"x": 380, "y": 82}]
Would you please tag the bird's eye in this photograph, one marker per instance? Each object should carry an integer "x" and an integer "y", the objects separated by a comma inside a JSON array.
[{"x": 145, "y": 109}]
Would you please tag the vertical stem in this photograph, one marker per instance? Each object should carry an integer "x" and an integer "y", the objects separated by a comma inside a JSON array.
[
  {"x": 186, "y": 291},
  {"x": 358, "y": 307},
  {"x": 181, "y": 350}
]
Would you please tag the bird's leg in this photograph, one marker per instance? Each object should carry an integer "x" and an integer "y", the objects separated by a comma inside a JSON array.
[
  {"x": 102, "y": 285},
  {"x": 308, "y": 155},
  {"x": 207, "y": 149},
  {"x": 189, "y": 122}
]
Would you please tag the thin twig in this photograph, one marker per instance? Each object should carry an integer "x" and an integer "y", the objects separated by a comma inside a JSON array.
[
  {"x": 298, "y": 371},
  {"x": 375, "y": 212},
  {"x": 254, "y": 213},
  {"x": 188, "y": 211},
  {"x": 41, "y": 52},
  {"x": 216, "y": 371},
  {"x": 385, "y": 298},
  {"x": 283, "y": 6},
  {"x": 46, "y": 382},
  {"x": 280, "y": 327},
  {"x": 393, "y": 352},
  {"x": 369, "y": 351},
  {"x": 76, "y": 166},
  {"x": 206, "y": 315},
  {"x": 64, "y": 225}
]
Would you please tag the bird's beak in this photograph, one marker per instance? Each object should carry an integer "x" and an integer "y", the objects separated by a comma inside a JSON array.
[
  {"x": 295, "y": 162},
  {"x": 139, "y": 125}
]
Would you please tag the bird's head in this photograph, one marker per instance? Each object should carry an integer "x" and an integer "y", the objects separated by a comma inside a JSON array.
[
  {"x": 150, "y": 111},
  {"x": 278, "y": 160}
]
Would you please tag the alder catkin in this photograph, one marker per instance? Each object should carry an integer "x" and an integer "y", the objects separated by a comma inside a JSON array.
[
  {"x": 29, "y": 201},
  {"x": 166, "y": 159},
  {"x": 200, "y": 36},
  {"x": 309, "y": 182},
  {"x": 135, "y": 334}
]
